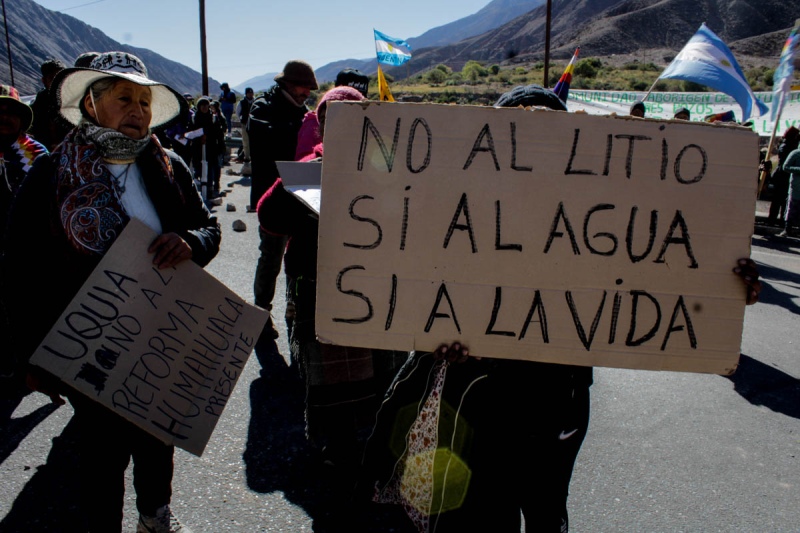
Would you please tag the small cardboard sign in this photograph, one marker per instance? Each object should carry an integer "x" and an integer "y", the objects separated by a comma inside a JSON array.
[
  {"x": 535, "y": 234},
  {"x": 303, "y": 180},
  {"x": 161, "y": 348}
]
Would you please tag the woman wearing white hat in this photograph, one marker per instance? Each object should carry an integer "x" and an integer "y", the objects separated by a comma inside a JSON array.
[{"x": 109, "y": 169}]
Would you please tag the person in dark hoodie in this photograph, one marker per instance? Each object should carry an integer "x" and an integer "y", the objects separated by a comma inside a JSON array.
[
  {"x": 275, "y": 119},
  {"x": 513, "y": 440}
]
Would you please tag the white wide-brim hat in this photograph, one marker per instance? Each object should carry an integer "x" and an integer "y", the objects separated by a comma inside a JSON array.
[{"x": 71, "y": 85}]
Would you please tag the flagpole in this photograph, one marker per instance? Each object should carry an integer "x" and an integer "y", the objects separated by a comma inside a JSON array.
[
  {"x": 762, "y": 178},
  {"x": 644, "y": 98},
  {"x": 545, "y": 82}
]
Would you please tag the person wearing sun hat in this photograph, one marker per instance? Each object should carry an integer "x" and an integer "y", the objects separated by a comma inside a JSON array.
[
  {"x": 18, "y": 150},
  {"x": 109, "y": 169},
  {"x": 275, "y": 120}
]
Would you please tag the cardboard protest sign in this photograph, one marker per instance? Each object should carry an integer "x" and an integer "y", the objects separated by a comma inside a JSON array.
[
  {"x": 162, "y": 348},
  {"x": 535, "y": 234}
]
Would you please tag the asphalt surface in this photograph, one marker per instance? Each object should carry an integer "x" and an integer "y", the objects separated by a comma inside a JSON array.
[{"x": 666, "y": 452}]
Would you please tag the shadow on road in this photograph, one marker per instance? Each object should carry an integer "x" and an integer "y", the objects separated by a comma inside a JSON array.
[
  {"x": 772, "y": 280},
  {"x": 761, "y": 384},
  {"x": 771, "y": 241},
  {"x": 14, "y": 430},
  {"x": 50, "y": 500},
  {"x": 279, "y": 458}
]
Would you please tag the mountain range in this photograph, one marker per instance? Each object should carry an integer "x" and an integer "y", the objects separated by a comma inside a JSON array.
[{"x": 503, "y": 32}]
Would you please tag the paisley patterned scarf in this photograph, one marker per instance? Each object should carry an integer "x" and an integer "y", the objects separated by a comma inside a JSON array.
[{"x": 90, "y": 209}]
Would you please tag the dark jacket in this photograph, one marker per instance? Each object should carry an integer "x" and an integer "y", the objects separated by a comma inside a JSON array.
[
  {"x": 214, "y": 137},
  {"x": 273, "y": 126},
  {"x": 49, "y": 127},
  {"x": 42, "y": 271}
]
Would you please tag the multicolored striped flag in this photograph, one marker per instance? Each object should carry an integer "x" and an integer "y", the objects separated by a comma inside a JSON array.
[
  {"x": 562, "y": 87},
  {"x": 708, "y": 61},
  {"x": 782, "y": 80},
  {"x": 391, "y": 51}
]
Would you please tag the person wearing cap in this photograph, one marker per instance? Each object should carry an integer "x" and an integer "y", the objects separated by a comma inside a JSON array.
[
  {"x": 637, "y": 109},
  {"x": 109, "y": 169},
  {"x": 352, "y": 78},
  {"x": 682, "y": 114},
  {"x": 524, "y": 423},
  {"x": 309, "y": 135},
  {"x": 275, "y": 119},
  {"x": 46, "y": 127}
]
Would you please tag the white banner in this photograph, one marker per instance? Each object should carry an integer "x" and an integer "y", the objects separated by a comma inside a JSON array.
[{"x": 663, "y": 105}]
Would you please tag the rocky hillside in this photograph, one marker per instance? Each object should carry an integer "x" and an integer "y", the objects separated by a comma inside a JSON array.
[
  {"x": 493, "y": 15},
  {"x": 37, "y": 34},
  {"x": 607, "y": 27}
]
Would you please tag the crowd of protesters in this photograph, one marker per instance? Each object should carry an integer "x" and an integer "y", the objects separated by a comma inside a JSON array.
[{"x": 103, "y": 137}]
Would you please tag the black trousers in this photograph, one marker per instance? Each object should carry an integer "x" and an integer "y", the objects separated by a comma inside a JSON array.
[
  {"x": 516, "y": 427},
  {"x": 107, "y": 442}
]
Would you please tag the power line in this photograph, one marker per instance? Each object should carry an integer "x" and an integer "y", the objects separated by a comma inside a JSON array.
[{"x": 82, "y": 5}]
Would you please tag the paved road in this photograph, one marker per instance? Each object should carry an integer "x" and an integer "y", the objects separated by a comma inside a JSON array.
[{"x": 666, "y": 452}]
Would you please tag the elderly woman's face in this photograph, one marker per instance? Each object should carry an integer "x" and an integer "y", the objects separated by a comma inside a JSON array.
[{"x": 125, "y": 108}]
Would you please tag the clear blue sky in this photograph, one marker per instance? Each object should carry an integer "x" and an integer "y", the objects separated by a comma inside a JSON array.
[{"x": 249, "y": 38}]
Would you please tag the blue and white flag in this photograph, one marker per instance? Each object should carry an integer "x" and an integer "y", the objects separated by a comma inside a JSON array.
[
  {"x": 391, "y": 51},
  {"x": 707, "y": 60}
]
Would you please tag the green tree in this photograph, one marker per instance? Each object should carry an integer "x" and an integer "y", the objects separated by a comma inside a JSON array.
[
  {"x": 435, "y": 77},
  {"x": 473, "y": 71},
  {"x": 588, "y": 67}
]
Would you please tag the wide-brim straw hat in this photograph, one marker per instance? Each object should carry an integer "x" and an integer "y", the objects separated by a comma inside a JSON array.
[{"x": 71, "y": 85}]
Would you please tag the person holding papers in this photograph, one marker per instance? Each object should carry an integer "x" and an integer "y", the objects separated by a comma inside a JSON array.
[
  {"x": 209, "y": 147},
  {"x": 75, "y": 203},
  {"x": 343, "y": 384}
]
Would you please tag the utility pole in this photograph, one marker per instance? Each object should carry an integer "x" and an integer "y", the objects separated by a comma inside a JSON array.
[
  {"x": 547, "y": 45},
  {"x": 203, "y": 53},
  {"x": 8, "y": 44}
]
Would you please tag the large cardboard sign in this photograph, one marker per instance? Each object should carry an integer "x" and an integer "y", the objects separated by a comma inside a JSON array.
[
  {"x": 535, "y": 234},
  {"x": 162, "y": 348}
]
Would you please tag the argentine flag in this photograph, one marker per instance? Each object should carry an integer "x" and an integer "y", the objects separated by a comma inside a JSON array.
[
  {"x": 391, "y": 51},
  {"x": 707, "y": 60}
]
